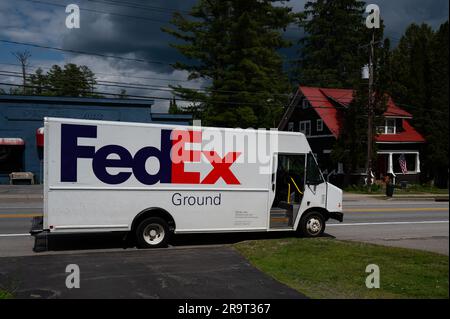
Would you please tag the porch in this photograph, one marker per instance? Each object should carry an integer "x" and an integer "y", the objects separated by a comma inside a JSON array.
[{"x": 388, "y": 162}]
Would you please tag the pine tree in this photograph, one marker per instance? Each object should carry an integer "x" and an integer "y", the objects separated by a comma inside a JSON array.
[
  {"x": 437, "y": 137},
  {"x": 173, "y": 107},
  {"x": 72, "y": 80},
  {"x": 420, "y": 85},
  {"x": 329, "y": 54},
  {"x": 233, "y": 45}
]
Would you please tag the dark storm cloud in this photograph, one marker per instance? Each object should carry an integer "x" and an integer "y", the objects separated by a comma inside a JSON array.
[
  {"x": 128, "y": 31},
  {"x": 127, "y": 35},
  {"x": 399, "y": 14}
]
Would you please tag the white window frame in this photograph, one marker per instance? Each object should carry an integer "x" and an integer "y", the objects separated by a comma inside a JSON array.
[
  {"x": 319, "y": 125},
  {"x": 388, "y": 126},
  {"x": 384, "y": 129},
  {"x": 307, "y": 124}
]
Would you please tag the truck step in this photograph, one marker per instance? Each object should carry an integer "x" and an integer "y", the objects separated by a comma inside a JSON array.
[
  {"x": 279, "y": 221},
  {"x": 40, "y": 242},
  {"x": 37, "y": 225}
]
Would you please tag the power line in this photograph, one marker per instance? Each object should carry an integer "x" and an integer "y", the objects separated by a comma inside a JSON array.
[
  {"x": 149, "y": 97},
  {"x": 311, "y": 98},
  {"x": 84, "y": 52},
  {"x": 200, "y": 101},
  {"x": 99, "y": 11},
  {"x": 292, "y": 26},
  {"x": 164, "y": 88},
  {"x": 109, "y": 74},
  {"x": 139, "y": 6},
  {"x": 149, "y": 88},
  {"x": 118, "y": 3}
]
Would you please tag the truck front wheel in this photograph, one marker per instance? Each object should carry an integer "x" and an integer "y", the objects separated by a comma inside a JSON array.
[
  {"x": 312, "y": 224},
  {"x": 152, "y": 232}
]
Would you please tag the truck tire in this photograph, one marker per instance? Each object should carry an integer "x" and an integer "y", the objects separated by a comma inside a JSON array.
[
  {"x": 312, "y": 225},
  {"x": 152, "y": 232}
]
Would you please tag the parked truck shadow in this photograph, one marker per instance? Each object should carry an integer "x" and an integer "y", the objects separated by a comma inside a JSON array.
[{"x": 67, "y": 242}]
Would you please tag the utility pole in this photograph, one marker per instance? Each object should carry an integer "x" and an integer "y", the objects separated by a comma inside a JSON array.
[
  {"x": 23, "y": 59},
  {"x": 370, "y": 112}
]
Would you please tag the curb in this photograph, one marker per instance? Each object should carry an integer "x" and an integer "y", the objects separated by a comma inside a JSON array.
[
  {"x": 436, "y": 198},
  {"x": 415, "y": 199},
  {"x": 412, "y": 199},
  {"x": 22, "y": 196}
]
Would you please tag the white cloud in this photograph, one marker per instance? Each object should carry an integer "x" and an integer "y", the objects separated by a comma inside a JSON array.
[{"x": 135, "y": 74}]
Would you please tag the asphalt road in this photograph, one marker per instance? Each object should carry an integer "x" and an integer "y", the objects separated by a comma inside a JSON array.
[
  {"x": 411, "y": 224},
  {"x": 213, "y": 272},
  {"x": 194, "y": 266}
]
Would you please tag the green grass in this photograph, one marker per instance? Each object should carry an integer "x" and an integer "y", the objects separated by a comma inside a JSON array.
[
  {"x": 327, "y": 268},
  {"x": 5, "y": 295}
]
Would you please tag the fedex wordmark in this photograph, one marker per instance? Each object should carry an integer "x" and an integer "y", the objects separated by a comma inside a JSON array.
[{"x": 171, "y": 156}]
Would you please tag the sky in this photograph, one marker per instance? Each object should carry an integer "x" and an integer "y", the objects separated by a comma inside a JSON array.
[{"x": 120, "y": 28}]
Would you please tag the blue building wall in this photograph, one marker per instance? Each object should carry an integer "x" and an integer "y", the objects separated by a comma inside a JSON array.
[{"x": 21, "y": 116}]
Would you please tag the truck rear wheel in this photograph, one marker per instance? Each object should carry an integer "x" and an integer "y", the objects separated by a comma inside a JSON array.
[
  {"x": 152, "y": 232},
  {"x": 312, "y": 224}
]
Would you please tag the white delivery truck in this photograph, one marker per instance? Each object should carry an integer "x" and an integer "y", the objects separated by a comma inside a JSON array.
[{"x": 152, "y": 180}]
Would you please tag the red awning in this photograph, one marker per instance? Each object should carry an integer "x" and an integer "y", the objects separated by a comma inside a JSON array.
[
  {"x": 40, "y": 137},
  {"x": 11, "y": 141}
]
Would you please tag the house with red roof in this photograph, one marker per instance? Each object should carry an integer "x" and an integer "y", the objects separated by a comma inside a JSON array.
[{"x": 317, "y": 112}]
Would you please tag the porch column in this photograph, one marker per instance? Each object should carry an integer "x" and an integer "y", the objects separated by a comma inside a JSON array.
[
  {"x": 417, "y": 163},
  {"x": 390, "y": 164}
]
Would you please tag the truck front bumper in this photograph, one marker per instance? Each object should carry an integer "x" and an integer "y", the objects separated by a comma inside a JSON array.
[{"x": 339, "y": 216}]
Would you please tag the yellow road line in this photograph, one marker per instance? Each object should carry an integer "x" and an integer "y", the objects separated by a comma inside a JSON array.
[
  {"x": 376, "y": 210},
  {"x": 352, "y": 210},
  {"x": 20, "y": 215}
]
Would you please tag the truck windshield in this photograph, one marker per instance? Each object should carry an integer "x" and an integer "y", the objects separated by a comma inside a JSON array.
[{"x": 313, "y": 174}]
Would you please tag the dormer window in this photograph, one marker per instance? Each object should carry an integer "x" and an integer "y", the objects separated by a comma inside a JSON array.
[{"x": 388, "y": 128}]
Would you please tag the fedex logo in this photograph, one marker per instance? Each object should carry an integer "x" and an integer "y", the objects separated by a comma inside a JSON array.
[{"x": 171, "y": 156}]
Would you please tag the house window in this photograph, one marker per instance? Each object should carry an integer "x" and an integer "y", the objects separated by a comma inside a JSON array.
[
  {"x": 291, "y": 126},
  {"x": 388, "y": 128},
  {"x": 305, "y": 104},
  {"x": 305, "y": 127},
  {"x": 319, "y": 125}
]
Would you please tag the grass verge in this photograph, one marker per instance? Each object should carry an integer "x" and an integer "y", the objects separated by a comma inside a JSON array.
[
  {"x": 5, "y": 295},
  {"x": 412, "y": 189},
  {"x": 327, "y": 268}
]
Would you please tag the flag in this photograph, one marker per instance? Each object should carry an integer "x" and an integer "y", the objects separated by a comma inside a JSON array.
[{"x": 402, "y": 162}]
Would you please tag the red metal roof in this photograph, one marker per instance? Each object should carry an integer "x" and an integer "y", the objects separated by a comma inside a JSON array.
[
  {"x": 341, "y": 96},
  {"x": 321, "y": 99},
  {"x": 409, "y": 135},
  {"x": 394, "y": 111},
  {"x": 326, "y": 110}
]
